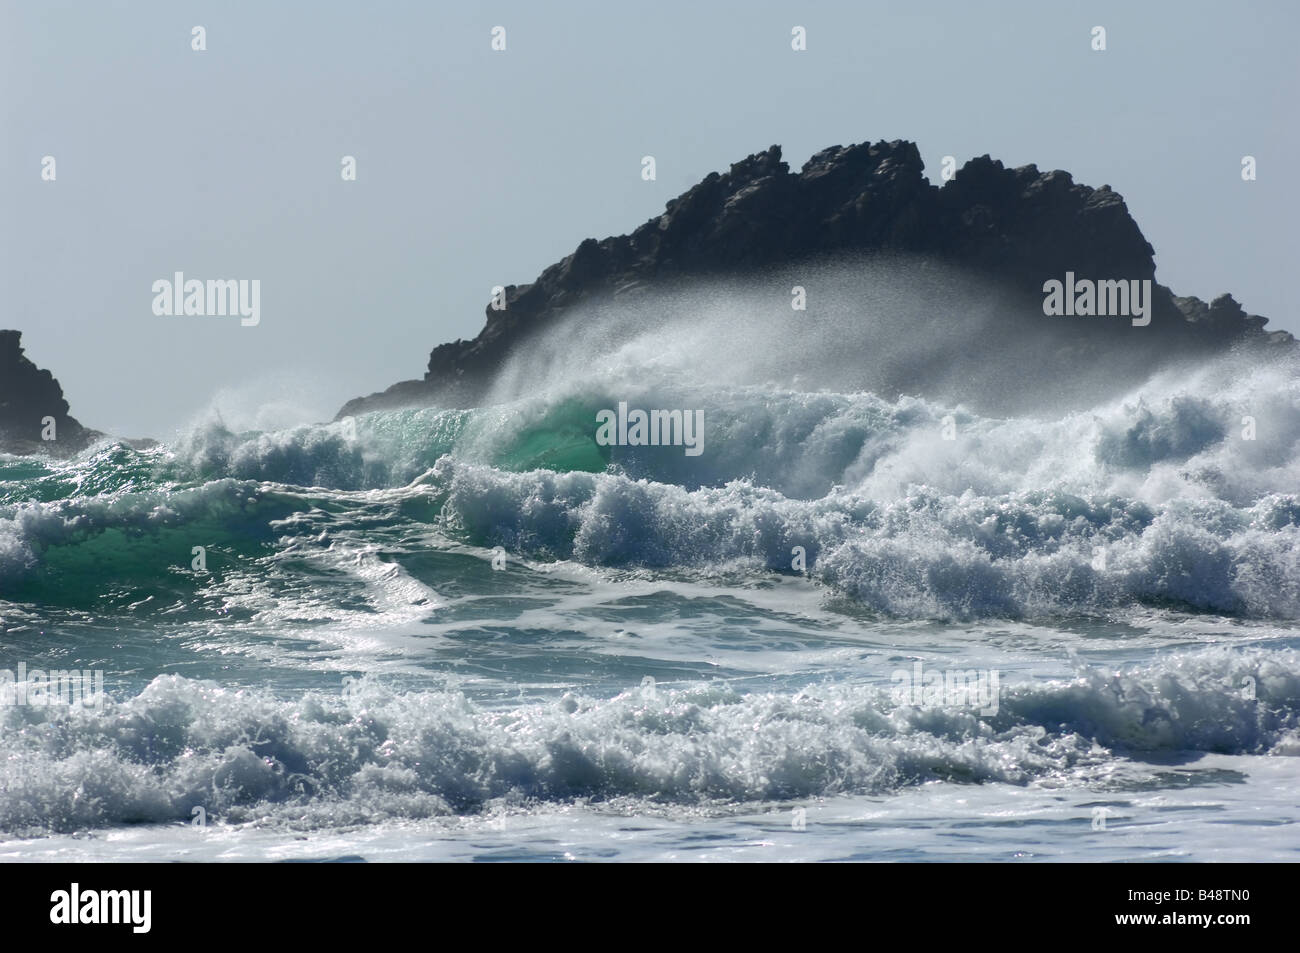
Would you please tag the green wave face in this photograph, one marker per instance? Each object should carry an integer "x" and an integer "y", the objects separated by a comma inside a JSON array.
[
  {"x": 114, "y": 531},
  {"x": 564, "y": 440}
]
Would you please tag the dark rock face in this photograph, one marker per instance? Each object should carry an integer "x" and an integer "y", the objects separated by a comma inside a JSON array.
[
  {"x": 1019, "y": 227},
  {"x": 28, "y": 396}
]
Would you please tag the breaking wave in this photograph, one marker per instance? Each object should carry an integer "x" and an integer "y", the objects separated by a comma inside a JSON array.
[
  {"x": 1181, "y": 494},
  {"x": 247, "y": 756}
]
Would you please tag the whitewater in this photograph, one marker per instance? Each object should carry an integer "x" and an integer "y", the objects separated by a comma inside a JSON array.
[{"x": 478, "y": 633}]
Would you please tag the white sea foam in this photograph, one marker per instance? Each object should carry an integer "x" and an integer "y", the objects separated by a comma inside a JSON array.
[
  {"x": 1151, "y": 499},
  {"x": 325, "y": 760}
]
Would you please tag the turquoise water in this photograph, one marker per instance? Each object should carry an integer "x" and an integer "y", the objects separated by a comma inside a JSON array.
[{"x": 475, "y": 634}]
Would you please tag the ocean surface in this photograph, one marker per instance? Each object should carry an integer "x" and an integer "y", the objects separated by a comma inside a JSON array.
[{"x": 476, "y": 634}]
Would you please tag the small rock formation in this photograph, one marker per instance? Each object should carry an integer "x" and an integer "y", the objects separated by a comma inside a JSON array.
[
  {"x": 32, "y": 407},
  {"x": 1018, "y": 227}
]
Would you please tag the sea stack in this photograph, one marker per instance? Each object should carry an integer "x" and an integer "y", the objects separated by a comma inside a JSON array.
[
  {"x": 1016, "y": 227},
  {"x": 33, "y": 412}
]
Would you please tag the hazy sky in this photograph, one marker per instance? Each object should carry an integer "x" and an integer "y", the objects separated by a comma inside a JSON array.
[{"x": 478, "y": 168}]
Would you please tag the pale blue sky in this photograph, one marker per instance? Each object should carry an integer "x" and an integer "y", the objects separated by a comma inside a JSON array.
[{"x": 479, "y": 168}]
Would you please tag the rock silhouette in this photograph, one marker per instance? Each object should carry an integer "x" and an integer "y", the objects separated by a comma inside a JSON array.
[
  {"x": 1017, "y": 227},
  {"x": 32, "y": 406}
]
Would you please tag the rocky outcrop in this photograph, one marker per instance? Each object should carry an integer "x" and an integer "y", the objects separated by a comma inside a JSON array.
[
  {"x": 33, "y": 412},
  {"x": 1019, "y": 227}
]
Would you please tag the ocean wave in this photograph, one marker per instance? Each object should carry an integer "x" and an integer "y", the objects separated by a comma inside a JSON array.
[
  {"x": 1229, "y": 429},
  {"x": 1181, "y": 494},
  {"x": 133, "y": 546},
  {"x": 371, "y": 753},
  {"x": 927, "y": 555}
]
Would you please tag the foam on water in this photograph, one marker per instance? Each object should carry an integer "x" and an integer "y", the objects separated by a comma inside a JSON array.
[
  {"x": 825, "y": 537},
  {"x": 322, "y": 760},
  {"x": 1153, "y": 499}
]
